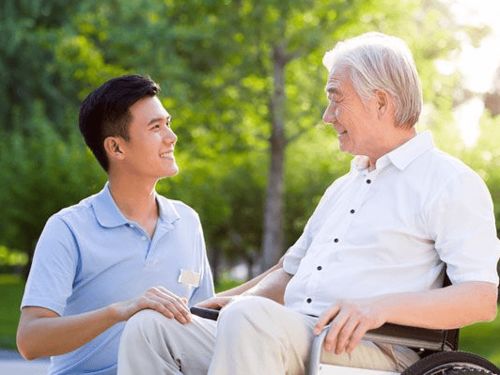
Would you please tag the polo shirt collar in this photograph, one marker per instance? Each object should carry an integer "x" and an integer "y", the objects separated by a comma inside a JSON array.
[
  {"x": 167, "y": 211},
  {"x": 400, "y": 157},
  {"x": 109, "y": 215},
  {"x": 106, "y": 211}
]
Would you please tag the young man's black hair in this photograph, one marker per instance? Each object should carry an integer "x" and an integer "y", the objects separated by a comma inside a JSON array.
[{"x": 105, "y": 111}]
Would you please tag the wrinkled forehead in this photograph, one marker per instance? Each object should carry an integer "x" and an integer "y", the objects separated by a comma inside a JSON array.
[{"x": 337, "y": 79}]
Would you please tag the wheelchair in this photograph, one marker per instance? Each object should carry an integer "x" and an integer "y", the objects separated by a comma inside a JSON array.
[{"x": 438, "y": 350}]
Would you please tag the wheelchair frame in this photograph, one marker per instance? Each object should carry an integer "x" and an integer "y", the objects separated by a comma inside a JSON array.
[{"x": 438, "y": 350}]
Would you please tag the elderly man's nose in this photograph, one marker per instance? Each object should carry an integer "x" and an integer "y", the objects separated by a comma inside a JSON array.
[{"x": 328, "y": 115}]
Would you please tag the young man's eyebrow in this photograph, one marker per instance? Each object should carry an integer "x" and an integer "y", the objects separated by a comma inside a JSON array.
[{"x": 160, "y": 119}]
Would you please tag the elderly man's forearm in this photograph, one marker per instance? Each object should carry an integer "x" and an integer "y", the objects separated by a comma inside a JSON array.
[{"x": 447, "y": 308}]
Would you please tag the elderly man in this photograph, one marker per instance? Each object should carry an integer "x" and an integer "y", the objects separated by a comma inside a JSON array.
[{"x": 374, "y": 251}]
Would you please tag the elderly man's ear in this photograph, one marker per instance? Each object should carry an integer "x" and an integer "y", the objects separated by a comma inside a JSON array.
[
  {"x": 113, "y": 148},
  {"x": 382, "y": 99}
]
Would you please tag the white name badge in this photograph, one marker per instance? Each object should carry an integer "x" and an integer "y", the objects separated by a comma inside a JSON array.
[{"x": 190, "y": 278}]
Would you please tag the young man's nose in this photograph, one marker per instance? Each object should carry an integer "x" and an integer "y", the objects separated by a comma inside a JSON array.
[{"x": 170, "y": 136}]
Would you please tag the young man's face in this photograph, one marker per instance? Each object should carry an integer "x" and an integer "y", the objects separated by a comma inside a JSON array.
[{"x": 149, "y": 152}]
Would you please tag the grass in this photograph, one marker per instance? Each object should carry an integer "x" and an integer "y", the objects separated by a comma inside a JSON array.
[
  {"x": 11, "y": 291},
  {"x": 481, "y": 338}
]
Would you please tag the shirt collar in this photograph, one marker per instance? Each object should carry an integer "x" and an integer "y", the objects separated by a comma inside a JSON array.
[
  {"x": 167, "y": 211},
  {"x": 401, "y": 156},
  {"x": 109, "y": 215}
]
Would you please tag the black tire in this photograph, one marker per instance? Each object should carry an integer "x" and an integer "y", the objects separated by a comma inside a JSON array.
[{"x": 452, "y": 363}]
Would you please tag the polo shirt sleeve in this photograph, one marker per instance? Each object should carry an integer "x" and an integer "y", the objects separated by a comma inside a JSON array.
[
  {"x": 462, "y": 224},
  {"x": 205, "y": 289},
  {"x": 53, "y": 269}
]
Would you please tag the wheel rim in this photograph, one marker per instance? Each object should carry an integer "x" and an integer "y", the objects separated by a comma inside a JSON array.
[{"x": 444, "y": 368}]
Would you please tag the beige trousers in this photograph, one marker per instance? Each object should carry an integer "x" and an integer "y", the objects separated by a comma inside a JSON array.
[{"x": 253, "y": 335}]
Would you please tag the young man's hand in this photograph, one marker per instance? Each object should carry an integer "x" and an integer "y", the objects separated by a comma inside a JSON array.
[{"x": 158, "y": 299}]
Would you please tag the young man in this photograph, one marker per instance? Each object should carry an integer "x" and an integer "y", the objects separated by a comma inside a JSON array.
[
  {"x": 374, "y": 251},
  {"x": 117, "y": 252}
]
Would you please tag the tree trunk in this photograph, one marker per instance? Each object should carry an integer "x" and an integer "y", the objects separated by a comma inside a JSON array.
[{"x": 272, "y": 243}]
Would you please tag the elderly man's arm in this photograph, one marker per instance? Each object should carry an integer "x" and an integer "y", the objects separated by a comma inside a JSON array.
[
  {"x": 270, "y": 283},
  {"x": 446, "y": 308}
]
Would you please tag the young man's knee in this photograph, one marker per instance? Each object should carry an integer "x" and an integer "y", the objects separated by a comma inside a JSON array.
[{"x": 144, "y": 324}]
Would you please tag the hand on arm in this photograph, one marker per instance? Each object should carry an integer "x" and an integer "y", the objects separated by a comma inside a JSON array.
[
  {"x": 270, "y": 284},
  {"x": 39, "y": 326},
  {"x": 446, "y": 308},
  {"x": 225, "y": 297}
]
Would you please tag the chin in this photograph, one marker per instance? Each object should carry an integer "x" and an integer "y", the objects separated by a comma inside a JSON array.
[{"x": 172, "y": 171}]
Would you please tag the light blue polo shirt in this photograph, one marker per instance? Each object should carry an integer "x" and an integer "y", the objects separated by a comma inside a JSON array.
[{"x": 89, "y": 256}]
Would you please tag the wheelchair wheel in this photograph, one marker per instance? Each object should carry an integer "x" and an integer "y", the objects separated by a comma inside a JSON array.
[{"x": 452, "y": 363}]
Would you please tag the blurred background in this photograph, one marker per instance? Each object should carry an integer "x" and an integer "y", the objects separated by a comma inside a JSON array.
[{"x": 245, "y": 85}]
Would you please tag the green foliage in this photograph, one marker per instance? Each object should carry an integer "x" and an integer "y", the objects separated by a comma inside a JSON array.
[
  {"x": 41, "y": 173},
  {"x": 213, "y": 60},
  {"x": 11, "y": 260}
]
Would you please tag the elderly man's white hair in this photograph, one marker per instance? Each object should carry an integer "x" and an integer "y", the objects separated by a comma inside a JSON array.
[{"x": 375, "y": 61}]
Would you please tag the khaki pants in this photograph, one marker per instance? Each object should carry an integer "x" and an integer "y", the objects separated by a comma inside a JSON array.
[{"x": 253, "y": 335}]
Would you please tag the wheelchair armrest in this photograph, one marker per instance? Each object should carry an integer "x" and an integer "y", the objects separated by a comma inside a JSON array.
[
  {"x": 413, "y": 337},
  {"x": 203, "y": 312}
]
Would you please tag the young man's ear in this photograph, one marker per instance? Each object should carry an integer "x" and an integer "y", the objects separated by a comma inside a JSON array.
[{"x": 113, "y": 147}]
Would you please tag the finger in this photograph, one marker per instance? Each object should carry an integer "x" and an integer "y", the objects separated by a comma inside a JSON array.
[
  {"x": 157, "y": 306},
  {"x": 325, "y": 318},
  {"x": 165, "y": 292},
  {"x": 179, "y": 310},
  {"x": 174, "y": 307},
  {"x": 214, "y": 303},
  {"x": 335, "y": 327},
  {"x": 356, "y": 337},
  {"x": 209, "y": 304},
  {"x": 168, "y": 297},
  {"x": 344, "y": 335}
]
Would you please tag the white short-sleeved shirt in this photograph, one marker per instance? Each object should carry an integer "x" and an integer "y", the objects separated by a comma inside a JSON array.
[
  {"x": 90, "y": 255},
  {"x": 392, "y": 229}
]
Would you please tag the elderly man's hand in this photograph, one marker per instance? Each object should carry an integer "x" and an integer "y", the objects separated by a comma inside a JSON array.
[
  {"x": 349, "y": 320},
  {"x": 216, "y": 302}
]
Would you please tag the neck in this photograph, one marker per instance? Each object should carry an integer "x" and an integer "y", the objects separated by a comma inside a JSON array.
[
  {"x": 135, "y": 198},
  {"x": 401, "y": 136}
]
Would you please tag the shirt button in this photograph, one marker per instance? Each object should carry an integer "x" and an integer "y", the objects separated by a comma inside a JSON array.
[
  {"x": 368, "y": 181},
  {"x": 352, "y": 211},
  {"x": 308, "y": 300},
  {"x": 335, "y": 240},
  {"x": 144, "y": 238},
  {"x": 319, "y": 268}
]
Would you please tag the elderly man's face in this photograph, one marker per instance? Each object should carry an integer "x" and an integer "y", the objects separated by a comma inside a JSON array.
[{"x": 353, "y": 119}]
